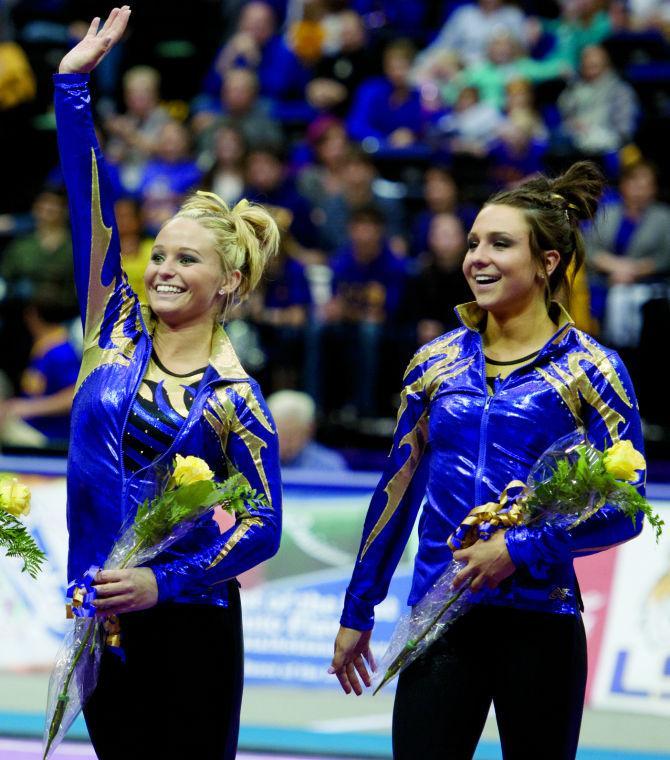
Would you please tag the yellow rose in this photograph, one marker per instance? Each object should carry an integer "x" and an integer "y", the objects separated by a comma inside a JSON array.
[
  {"x": 189, "y": 470},
  {"x": 622, "y": 460},
  {"x": 14, "y": 497}
]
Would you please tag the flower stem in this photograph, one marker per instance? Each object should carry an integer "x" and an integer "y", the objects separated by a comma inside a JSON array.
[
  {"x": 399, "y": 662},
  {"x": 63, "y": 697}
]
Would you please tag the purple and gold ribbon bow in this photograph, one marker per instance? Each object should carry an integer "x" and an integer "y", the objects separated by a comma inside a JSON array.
[
  {"x": 81, "y": 595},
  {"x": 483, "y": 521}
]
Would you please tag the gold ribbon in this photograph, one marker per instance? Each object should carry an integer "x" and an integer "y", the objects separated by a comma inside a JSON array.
[
  {"x": 78, "y": 596},
  {"x": 112, "y": 627},
  {"x": 491, "y": 513}
]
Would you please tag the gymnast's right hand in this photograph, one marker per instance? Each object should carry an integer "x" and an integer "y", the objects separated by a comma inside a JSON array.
[
  {"x": 89, "y": 51},
  {"x": 352, "y": 649}
]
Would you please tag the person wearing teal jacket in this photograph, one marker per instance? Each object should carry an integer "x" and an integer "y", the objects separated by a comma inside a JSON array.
[{"x": 506, "y": 61}]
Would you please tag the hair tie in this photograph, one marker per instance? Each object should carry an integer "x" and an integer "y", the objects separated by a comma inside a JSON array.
[{"x": 566, "y": 206}]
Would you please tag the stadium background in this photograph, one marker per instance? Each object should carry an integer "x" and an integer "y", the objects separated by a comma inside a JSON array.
[{"x": 282, "y": 124}]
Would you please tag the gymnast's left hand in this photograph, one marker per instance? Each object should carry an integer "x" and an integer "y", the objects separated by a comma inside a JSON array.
[
  {"x": 125, "y": 590},
  {"x": 487, "y": 563}
]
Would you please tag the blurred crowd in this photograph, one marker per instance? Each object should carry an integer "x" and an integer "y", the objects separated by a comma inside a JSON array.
[{"x": 373, "y": 130}]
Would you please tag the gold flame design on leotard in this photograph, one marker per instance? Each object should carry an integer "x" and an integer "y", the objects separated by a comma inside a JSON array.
[
  {"x": 574, "y": 385},
  {"x": 428, "y": 382},
  {"x": 223, "y": 418}
]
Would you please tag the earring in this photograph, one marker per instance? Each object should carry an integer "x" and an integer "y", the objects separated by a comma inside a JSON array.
[{"x": 222, "y": 292}]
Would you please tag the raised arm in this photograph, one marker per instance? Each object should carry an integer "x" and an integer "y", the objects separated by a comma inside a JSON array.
[{"x": 97, "y": 262}]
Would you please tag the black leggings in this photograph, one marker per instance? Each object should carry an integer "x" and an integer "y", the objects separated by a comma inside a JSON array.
[
  {"x": 179, "y": 693},
  {"x": 531, "y": 665}
]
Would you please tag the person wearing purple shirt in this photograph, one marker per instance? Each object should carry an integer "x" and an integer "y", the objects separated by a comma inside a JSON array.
[
  {"x": 282, "y": 315},
  {"x": 256, "y": 45},
  {"x": 386, "y": 112},
  {"x": 288, "y": 286},
  {"x": 367, "y": 286},
  {"x": 516, "y": 153},
  {"x": 368, "y": 289},
  {"x": 172, "y": 173},
  {"x": 440, "y": 196},
  {"x": 47, "y": 383},
  {"x": 267, "y": 183}
]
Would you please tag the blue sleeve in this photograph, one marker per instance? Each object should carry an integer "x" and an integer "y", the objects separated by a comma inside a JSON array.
[
  {"x": 339, "y": 268},
  {"x": 393, "y": 507},
  {"x": 95, "y": 242},
  {"x": 364, "y": 115},
  {"x": 610, "y": 414},
  {"x": 60, "y": 367},
  {"x": 281, "y": 74},
  {"x": 251, "y": 449},
  {"x": 395, "y": 287},
  {"x": 299, "y": 289}
]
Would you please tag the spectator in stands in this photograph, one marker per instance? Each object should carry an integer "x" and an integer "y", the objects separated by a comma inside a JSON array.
[
  {"x": 520, "y": 107},
  {"x": 226, "y": 175},
  {"x": 135, "y": 248},
  {"x": 47, "y": 384},
  {"x": 439, "y": 286},
  {"x": 42, "y": 257},
  {"x": 338, "y": 74},
  {"x": 471, "y": 127},
  {"x": 133, "y": 134},
  {"x": 628, "y": 252},
  {"x": 599, "y": 110},
  {"x": 17, "y": 80},
  {"x": 361, "y": 186},
  {"x": 580, "y": 24},
  {"x": 516, "y": 153},
  {"x": 267, "y": 182},
  {"x": 258, "y": 46},
  {"x": 469, "y": 29},
  {"x": 18, "y": 105},
  {"x": 323, "y": 179},
  {"x": 506, "y": 60},
  {"x": 368, "y": 284},
  {"x": 434, "y": 78},
  {"x": 280, "y": 310},
  {"x": 307, "y": 29},
  {"x": 172, "y": 172},
  {"x": 400, "y": 18},
  {"x": 238, "y": 106},
  {"x": 386, "y": 112},
  {"x": 649, "y": 14},
  {"x": 440, "y": 195},
  {"x": 294, "y": 414}
]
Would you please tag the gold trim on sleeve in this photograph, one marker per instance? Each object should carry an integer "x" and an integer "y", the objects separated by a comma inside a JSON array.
[
  {"x": 445, "y": 367},
  {"x": 101, "y": 236},
  {"x": 236, "y": 537}
]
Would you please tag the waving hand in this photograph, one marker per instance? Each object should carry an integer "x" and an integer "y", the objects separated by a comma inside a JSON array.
[{"x": 88, "y": 53}]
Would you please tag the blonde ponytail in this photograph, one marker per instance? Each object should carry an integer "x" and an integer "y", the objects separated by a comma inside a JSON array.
[{"x": 246, "y": 236}]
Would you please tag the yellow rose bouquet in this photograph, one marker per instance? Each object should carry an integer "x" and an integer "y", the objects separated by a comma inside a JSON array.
[
  {"x": 187, "y": 494},
  {"x": 570, "y": 482},
  {"x": 15, "y": 539}
]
